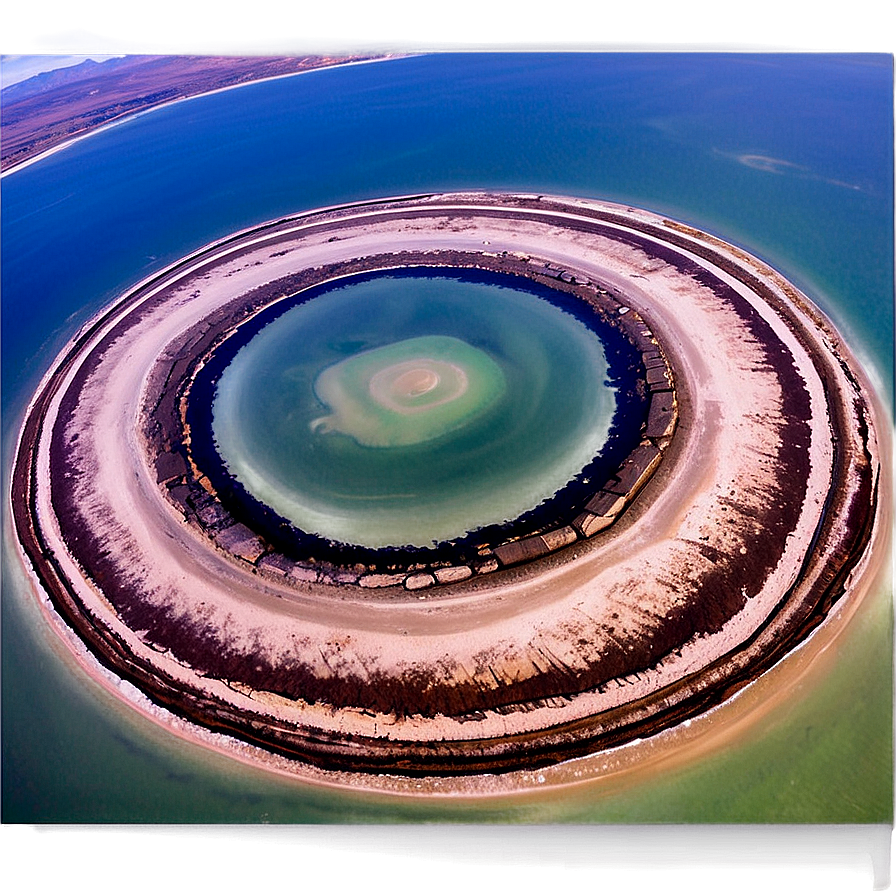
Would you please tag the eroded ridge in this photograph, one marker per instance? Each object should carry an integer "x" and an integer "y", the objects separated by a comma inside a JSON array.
[{"x": 747, "y": 510}]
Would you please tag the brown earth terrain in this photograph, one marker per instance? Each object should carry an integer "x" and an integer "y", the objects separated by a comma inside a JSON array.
[{"x": 46, "y": 111}]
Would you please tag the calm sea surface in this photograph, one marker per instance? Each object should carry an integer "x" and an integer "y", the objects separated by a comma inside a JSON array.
[{"x": 788, "y": 156}]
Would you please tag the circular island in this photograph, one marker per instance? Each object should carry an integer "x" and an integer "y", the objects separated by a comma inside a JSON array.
[{"x": 576, "y": 473}]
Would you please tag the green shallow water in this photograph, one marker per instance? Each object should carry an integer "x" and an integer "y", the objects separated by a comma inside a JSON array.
[{"x": 409, "y": 410}]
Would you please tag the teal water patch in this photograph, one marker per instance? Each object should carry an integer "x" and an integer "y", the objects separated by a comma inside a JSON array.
[{"x": 411, "y": 410}]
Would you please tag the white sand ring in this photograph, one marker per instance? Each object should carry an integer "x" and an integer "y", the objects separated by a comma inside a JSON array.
[{"x": 555, "y": 659}]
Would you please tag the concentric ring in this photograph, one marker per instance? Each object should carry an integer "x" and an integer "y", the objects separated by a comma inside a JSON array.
[{"x": 744, "y": 512}]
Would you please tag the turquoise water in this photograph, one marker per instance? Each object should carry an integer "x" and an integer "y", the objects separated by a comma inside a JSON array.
[
  {"x": 296, "y": 423},
  {"x": 788, "y": 156}
]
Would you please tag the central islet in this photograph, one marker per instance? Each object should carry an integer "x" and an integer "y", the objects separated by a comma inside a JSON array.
[{"x": 408, "y": 392}]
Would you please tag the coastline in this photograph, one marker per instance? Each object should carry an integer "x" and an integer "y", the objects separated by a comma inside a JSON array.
[
  {"x": 556, "y": 574},
  {"x": 127, "y": 116}
]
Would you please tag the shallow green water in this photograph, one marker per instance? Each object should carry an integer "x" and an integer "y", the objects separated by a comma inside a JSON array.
[{"x": 307, "y": 417}]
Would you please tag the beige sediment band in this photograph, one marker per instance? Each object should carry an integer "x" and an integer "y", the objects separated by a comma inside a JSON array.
[{"x": 748, "y": 510}]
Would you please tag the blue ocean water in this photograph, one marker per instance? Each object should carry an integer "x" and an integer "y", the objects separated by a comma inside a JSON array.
[{"x": 789, "y": 156}]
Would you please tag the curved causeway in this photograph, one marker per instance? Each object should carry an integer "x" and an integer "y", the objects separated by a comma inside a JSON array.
[{"x": 746, "y": 506}]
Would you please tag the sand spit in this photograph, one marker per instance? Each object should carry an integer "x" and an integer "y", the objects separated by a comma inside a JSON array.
[{"x": 720, "y": 543}]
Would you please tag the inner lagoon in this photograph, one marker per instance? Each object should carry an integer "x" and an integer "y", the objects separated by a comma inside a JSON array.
[{"x": 306, "y": 416}]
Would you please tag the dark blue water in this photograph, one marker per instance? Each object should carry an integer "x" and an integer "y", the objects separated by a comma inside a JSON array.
[
  {"x": 789, "y": 156},
  {"x": 664, "y": 132}
]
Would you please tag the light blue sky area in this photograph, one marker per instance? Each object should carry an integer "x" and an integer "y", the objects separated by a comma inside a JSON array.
[{"x": 19, "y": 68}]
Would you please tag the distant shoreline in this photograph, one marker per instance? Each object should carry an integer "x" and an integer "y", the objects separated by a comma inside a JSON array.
[{"x": 49, "y": 146}]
